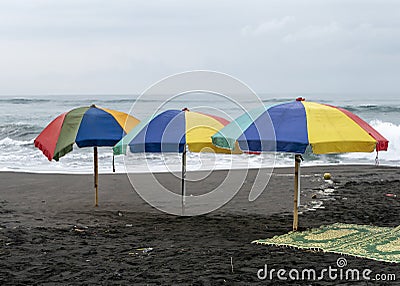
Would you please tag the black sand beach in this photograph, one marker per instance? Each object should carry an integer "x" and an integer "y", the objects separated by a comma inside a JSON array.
[{"x": 50, "y": 233}]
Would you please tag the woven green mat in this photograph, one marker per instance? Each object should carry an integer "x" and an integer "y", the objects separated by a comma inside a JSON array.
[{"x": 378, "y": 243}]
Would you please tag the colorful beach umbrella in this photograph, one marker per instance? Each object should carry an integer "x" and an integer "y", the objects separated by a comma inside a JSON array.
[
  {"x": 294, "y": 126},
  {"x": 90, "y": 126},
  {"x": 174, "y": 131}
]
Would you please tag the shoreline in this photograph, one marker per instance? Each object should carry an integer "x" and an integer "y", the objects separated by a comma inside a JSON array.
[{"x": 69, "y": 172}]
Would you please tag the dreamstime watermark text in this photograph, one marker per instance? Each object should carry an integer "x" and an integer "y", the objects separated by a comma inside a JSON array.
[{"x": 340, "y": 272}]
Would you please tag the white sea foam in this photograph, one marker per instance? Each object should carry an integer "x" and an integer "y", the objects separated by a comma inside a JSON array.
[
  {"x": 21, "y": 155},
  {"x": 392, "y": 156},
  {"x": 8, "y": 142},
  {"x": 22, "y": 119}
]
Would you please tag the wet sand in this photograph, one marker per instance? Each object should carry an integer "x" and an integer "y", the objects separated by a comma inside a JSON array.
[{"x": 50, "y": 233}]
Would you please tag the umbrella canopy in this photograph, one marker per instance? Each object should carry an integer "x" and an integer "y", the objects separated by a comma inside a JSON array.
[
  {"x": 174, "y": 131},
  {"x": 171, "y": 131},
  {"x": 90, "y": 126},
  {"x": 293, "y": 126}
]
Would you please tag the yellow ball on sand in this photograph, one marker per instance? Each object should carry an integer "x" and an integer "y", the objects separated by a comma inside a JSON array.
[{"x": 327, "y": 176}]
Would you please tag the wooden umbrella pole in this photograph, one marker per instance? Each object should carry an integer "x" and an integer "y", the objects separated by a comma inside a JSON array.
[
  {"x": 297, "y": 160},
  {"x": 113, "y": 164},
  {"x": 96, "y": 177},
  {"x": 183, "y": 178}
]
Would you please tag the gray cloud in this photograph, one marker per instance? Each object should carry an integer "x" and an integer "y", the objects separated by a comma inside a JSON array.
[{"x": 71, "y": 46}]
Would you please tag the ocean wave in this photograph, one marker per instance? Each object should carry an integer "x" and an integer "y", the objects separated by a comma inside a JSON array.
[
  {"x": 103, "y": 102},
  {"x": 71, "y": 101},
  {"x": 19, "y": 130},
  {"x": 277, "y": 100},
  {"x": 392, "y": 133},
  {"x": 372, "y": 108},
  {"x": 17, "y": 152},
  {"x": 23, "y": 100},
  {"x": 116, "y": 101},
  {"x": 6, "y": 142},
  {"x": 390, "y": 157}
]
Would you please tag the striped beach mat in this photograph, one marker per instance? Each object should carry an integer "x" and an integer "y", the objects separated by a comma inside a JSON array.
[{"x": 372, "y": 242}]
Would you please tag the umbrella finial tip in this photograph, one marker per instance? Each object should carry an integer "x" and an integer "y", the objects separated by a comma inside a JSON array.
[
  {"x": 93, "y": 105},
  {"x": 300, "y": 99},
  {"x": 185, "y": 109}
]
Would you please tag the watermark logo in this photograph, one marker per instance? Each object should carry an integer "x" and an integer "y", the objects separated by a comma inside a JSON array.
[
  {"x": 339, "y": 272},
  {"x": 341, "y": 262},
  {"x": 205, "y": 92}
]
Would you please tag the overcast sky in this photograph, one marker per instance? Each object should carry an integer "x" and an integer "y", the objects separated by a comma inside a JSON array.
[{"x": 122, "y": 47}]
